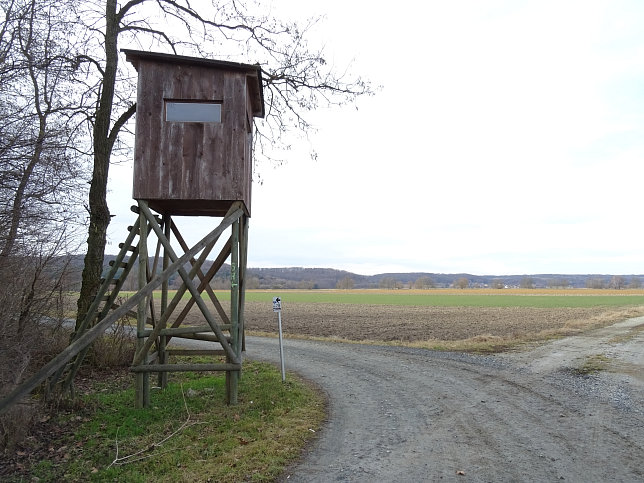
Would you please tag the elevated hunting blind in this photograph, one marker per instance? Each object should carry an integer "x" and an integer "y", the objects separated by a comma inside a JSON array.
[
  {"x": 194, "y": 119},
  {"x": 193, "y": 156}
]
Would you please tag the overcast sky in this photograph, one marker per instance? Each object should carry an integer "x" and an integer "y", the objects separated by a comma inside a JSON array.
[{"x": 507, "y": 138}]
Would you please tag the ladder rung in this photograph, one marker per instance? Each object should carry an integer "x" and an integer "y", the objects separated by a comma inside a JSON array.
[{"x": 130, "y": 248}]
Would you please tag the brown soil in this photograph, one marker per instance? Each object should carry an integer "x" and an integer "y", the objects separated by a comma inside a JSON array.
[{"x": 404, "y": 323}]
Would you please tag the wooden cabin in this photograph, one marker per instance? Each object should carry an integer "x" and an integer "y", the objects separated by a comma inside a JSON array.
[{"x": 194, "y": 131}]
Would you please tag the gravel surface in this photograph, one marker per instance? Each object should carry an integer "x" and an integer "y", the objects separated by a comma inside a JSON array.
[{"x": 399, "y": 414}]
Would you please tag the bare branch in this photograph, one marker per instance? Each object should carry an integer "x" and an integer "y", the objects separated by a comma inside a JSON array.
[{"x": 120, "y": 122}]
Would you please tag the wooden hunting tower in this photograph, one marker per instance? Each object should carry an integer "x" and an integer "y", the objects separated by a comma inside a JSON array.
[
  {"x": 193, "y": 156},
  {"x": 194, "y": 120}
]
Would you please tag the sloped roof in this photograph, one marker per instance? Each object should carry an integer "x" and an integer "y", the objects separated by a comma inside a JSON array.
[{"x": 252, "y": 70}]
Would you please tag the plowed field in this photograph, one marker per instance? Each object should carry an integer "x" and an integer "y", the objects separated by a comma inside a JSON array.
[
  {"x": 408, "y": 324},
  {"x": 420, "y": 325}
]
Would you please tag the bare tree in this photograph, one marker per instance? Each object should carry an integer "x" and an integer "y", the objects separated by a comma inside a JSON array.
[
  {"x": 617, "y": 282},
  {"x": 388, "y": 283},
  {"x": 345, "y": 283},
  {"x": 595, "y": 282},
  {"x": 527, "y": 283},
  {"x": 40, "y": 184},
  {"x": 40, "y": 168},
  {"x": 296, "y": 78},
  {"x": 461, "y": 283},
  {"x": 560, "y": 283},
  {"x": 424, "y": 283}
]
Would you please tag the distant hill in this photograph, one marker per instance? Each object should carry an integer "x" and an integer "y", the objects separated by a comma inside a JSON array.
[{"x": 326, "y": 278}]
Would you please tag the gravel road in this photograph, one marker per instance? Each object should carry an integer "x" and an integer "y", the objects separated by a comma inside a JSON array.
[{"x": 400, "y": 414}]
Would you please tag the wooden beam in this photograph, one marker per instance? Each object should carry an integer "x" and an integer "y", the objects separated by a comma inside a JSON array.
[
  {"x": 186, "y": 367},
  {"x": 232, "y": 376},
  {"x": 163, "y": 340},
  {"x": 196, "y": 352},
  {"x": 175, "y": 331},
  {"x": 201, "y": 336},
  {"x": 243, "y": 260},
  {"x": 205, "y": 284},
  {"x": 178, "y": 296}
]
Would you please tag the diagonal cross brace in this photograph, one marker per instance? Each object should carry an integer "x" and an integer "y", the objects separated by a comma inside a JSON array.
[
  {"x": 156, "y": 331},
  {"x": 179, "y": 295},
  {"x": 205, "y": 285},
  {"x": 230, "y": 352},
  {"x": 205, "y": 279}
]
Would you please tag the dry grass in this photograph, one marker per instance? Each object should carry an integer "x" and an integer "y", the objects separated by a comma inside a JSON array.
[{"x": 593, "y": 364}]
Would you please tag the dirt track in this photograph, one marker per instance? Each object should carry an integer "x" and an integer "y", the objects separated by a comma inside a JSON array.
[{"x": 401, "y": 414}]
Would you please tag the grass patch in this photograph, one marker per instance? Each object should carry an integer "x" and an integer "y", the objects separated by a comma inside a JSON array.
[
  {"x": 190, "y": 434},
  {"x": 573, "y": 298},
  {"x": 593, "y": 364}
]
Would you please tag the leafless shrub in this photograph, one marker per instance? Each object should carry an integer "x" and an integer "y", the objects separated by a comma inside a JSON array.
[
  {"x": 115, "y": 348},
  {"x": 30, "y": 335}
]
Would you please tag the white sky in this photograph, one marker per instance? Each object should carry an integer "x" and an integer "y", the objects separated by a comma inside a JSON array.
[{"x": 508, "y": 137}]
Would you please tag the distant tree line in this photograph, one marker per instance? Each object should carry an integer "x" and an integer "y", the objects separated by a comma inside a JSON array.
[
  {"x": 327, "y": 278},
  {"x": 616, "y": 282}
]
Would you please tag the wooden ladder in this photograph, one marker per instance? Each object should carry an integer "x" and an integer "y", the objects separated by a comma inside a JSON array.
[{"x": 104, "y": 301}]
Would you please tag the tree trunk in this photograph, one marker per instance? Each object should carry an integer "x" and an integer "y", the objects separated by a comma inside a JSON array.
[{"x": 99, "y": 214}]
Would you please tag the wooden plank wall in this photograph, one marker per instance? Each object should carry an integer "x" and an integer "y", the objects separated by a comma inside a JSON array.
[{"x": 191, "y": 168}]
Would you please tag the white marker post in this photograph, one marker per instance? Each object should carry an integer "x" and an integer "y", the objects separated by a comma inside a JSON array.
[{"x": 277, "y": 307}]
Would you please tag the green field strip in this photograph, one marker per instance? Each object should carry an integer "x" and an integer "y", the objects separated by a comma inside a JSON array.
[{"x": 441, "y": 300}]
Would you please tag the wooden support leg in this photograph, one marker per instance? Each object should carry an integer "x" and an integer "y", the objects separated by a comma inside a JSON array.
[
  {"x": 233, "y": 376},
  {"x": 141, "y": 386},
  {"x": 163, "y": 355},
  {"x": 243, "y": 247}
]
